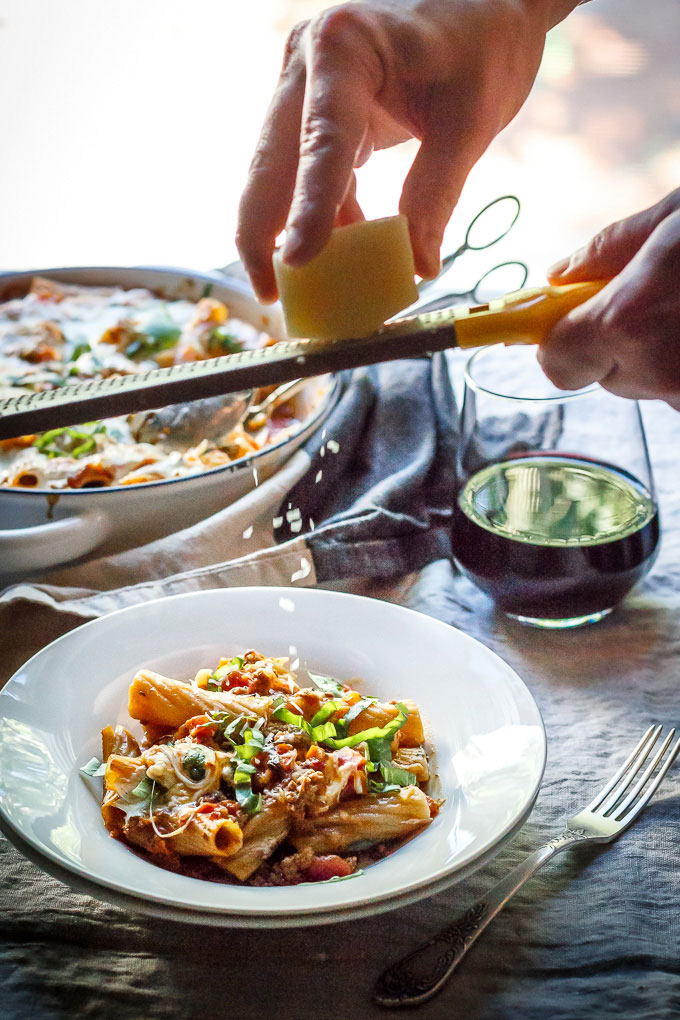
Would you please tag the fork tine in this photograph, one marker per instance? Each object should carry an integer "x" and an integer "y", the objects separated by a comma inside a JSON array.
[
  {"x": 639, "y": 763},
  {"x": 626, "y": 765},
  {"x": 621, "y": 808},
  {"x": 635, "y": 810}
]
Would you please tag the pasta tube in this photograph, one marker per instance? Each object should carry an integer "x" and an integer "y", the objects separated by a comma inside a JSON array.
[
  {"x": 367, "y": 818},
  {"x": 207, "y": 837},
  {"x": 414, "y": 760},
  {"x": 379, "y": 713},
  {"x": 157, "y": 699},
  {"x": 261, "y": 836}
]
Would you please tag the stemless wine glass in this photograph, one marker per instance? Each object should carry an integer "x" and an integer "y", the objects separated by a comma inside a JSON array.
[{"x": 556, "y": 517}]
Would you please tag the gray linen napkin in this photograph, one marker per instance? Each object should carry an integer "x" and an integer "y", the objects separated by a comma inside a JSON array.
[{"x": 594, "y": 935}]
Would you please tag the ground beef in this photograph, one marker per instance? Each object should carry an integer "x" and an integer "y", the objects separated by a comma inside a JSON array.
[{"x": 295, "y": 869}]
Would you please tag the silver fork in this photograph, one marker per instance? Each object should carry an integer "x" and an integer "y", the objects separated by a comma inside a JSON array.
[{"x": 420, "y": 975}]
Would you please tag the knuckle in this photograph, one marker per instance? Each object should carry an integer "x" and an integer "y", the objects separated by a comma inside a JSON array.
[
  {"x": 244, "y": 245},
  {"x": 671, "y": 202},
  {"x": 599, "y": 244},
  {"x": 614, "y": 320},
  {"x": 335, "y": 26},
  {"x": 294, "y": 40},
  {"x": 320, "y": 134},
  {"x": 667, "y": 247}
]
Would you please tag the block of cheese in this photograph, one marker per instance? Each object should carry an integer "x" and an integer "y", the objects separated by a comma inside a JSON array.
[{"x": 363, "y": 276}]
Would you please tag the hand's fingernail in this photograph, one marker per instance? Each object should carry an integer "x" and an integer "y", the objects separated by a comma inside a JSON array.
[
  {"x": 292, "y": 247},
  {"x": 429, "y": 262},
  {"x": 559, "y": 267}
]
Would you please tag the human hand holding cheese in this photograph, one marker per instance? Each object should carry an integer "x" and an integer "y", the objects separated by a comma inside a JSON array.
[{"x": 369, "y": 74}]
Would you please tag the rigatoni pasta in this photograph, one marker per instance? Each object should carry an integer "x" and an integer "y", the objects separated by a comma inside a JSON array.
[
  {"x": 60, "y": 335},
  {"x": 245, "y": 775}
]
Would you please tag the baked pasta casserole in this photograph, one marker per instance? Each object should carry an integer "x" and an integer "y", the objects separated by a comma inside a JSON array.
[{"x": 59, "y": 334}]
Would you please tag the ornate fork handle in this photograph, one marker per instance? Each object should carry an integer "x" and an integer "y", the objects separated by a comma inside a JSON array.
[{"x": 418, "y": 976}]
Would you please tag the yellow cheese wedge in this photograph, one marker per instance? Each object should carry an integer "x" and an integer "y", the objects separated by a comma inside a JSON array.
[{"x": 362, "y": 277}]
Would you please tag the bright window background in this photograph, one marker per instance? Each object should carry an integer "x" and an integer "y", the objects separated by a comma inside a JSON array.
[{"x": 127, "y": 130}]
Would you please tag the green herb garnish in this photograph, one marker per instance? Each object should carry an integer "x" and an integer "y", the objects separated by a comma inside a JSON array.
[
  {"x": 354, "y": 710},
  {"x": 227, "y": 668},
  {"x": 226, "y": 341},
  {"x": 69, "y": 442},
  {"x": 143, "y": 790},
  {"x": 159, "y": 333},
  {"x": 193, "y": 764},
  {"x": 94, "y": 767},
  {"x": 375, "y": 732},
  {"x": 325, "y": 712},
  {"x": 250, "y": 801},
  {"x": 397, "y": 776},
  {"x": 254, "y": 742},
  {"x": 379, "y": 751},
  {"x": 327, "y": 684},
  {"x": 326, "y": 733},
  {"x": 82, "y": 348}
]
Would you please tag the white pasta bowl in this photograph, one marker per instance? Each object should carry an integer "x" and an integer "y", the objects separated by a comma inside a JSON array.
[{"x": 483, "y": 727}]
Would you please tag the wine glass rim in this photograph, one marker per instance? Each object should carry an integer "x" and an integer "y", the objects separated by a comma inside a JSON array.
[{"x": 560, "y": 396}]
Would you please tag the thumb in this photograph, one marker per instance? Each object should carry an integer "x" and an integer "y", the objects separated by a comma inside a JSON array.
[{"x": 614, "y": 247}]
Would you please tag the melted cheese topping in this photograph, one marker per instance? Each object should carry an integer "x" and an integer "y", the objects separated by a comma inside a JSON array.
[{"x": 60, "y": 334}]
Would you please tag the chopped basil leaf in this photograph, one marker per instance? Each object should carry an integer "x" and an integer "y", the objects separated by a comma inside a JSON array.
[
  {"x": 227, "y": 668},
  {"x": 226, "y": 341},
  {"x": 325, "y": 712},
  {"x": 254, "y": 742},
  {"x": 351, "y": 714},
  {"x": 230, "y": 726},
  {"x": 284, "y": 715},
  {"x": 86, "y": 446},
  {"x": 402, "y": 777},
  {"x": 380, "y": 750},
  {"x": 193, "y": 764},
  {"x": 69, "y": 442},
  {"x": 143, "y": 790},
  {"x": 244, "y": 772},
  {"x": 163, "y": 331},
  {"x": 159, "y": 333},
  {"x": 250, "y": 802},
  {"x": 375, "y": 786},
  {"x": 82, "y": 348},
  {"x": 327, "y": 683},
  {"x": 94, "y": 767},
  {"x": 322, "y": 732},
  {"x": 375, "y": 731}
]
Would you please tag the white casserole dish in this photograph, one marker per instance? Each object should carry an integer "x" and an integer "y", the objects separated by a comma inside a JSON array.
[{"x": 40, "y": 528}]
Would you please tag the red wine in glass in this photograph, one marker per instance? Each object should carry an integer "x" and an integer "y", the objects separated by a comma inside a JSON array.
[{"x": 555, "y": 539}]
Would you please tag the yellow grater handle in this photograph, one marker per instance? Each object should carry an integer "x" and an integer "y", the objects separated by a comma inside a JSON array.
[{"x": 523, "y": 317}]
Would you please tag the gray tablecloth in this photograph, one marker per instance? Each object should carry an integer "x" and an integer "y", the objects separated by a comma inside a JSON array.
[{"x": 596, "y": 934}]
